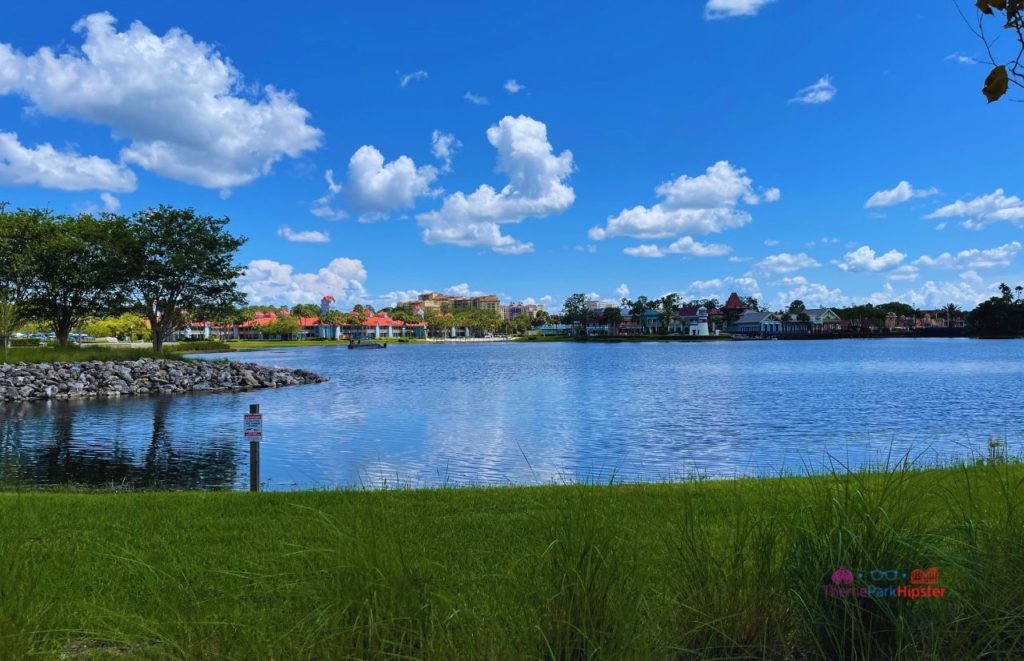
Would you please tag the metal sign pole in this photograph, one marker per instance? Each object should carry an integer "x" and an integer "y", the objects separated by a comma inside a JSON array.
[{"x": 254, "y": 432}]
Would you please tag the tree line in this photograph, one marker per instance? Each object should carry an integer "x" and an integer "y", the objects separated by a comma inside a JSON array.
[{"x": 165, "y": 264}]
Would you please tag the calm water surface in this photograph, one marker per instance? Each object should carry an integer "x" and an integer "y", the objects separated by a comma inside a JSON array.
[{"x": 523, "y": 413}]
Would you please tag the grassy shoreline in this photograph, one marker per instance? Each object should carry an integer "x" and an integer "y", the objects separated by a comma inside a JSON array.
[{"x": 706, "y": 569}]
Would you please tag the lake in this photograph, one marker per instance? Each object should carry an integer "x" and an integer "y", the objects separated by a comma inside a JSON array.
[{"x": 501, "y": 413}]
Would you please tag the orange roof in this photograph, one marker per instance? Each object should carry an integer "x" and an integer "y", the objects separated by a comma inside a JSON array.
[{"x": 382, "y": 319}]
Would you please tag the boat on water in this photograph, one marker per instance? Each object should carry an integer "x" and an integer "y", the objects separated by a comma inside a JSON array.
[{"x": 360, "y": 344}]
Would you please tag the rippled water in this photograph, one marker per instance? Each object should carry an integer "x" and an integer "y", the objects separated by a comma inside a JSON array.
[{"x": 499, "y": 413}]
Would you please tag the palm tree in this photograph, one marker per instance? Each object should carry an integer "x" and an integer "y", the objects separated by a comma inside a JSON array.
[
  {"x": 952, "y": 310},
  {"x": 669, "y": 304}
]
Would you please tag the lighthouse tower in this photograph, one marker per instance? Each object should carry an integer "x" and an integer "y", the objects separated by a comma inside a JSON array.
[{"x": 700, "y": 327}]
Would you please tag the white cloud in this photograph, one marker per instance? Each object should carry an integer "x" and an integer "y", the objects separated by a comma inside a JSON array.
[
  {"x": 110, "y": 202},
  {"x": 444, "y": 145},
  {"x": 267, "y": 281},
  {"x": 512, "y": 87},
  {"x": 901, "y": 193},
  {"x": 406, "y": 78},
  {"x": 984, "y": 210},
  {"x": 622, "y": 290},
  {"x": 772, "y": 195},
  {"x": 820, "y": 92},
  {"x": 45, "y": 166},
  {"x": 376, "y": 187},
  {"x": 960, "y": 59},
  {"x": 589, "y": 247},
  {"x": 322, "y": 207},
  {"x": 933, "y": 295},
  {"x": 703, "y": 204},
  {"x": 462, "y": 289},
  {"x": 739, "y": 260},
  {"x": 971, "y": 277},
  {"x": 905, "y": 272},
  {"x": 718, "y": 9},
  {"x": 185, "y": 110},
  {"x": 811, "y": 293},
  {"x": 974, "y": 258},
  {"x": 683, "y": 246},
  {"x": 311, "y": 236},
  {"x": 720, "y": 288},
  {"x": 645, "y": 250},
  {"x": 865, "y": 259},
  {"x": 785, "y": 262},
  {"x": 476, "y": 99},
  {"x": 771, "y": 242},
  {"x": 536, "y": 188}
]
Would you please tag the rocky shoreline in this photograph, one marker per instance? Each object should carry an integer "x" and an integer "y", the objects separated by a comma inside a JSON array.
[{"x": 20, "y": 382}]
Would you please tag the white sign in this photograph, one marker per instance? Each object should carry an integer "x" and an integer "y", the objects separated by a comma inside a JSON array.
[{"x": 254, "y": 426}]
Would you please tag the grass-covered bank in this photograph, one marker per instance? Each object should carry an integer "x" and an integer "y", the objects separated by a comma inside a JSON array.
[
  {"x": 711, "y": 569},
  {"x": 76, "y": 354}
]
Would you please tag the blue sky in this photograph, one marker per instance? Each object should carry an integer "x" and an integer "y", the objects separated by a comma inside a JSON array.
[{"x": 697, "y": 147}]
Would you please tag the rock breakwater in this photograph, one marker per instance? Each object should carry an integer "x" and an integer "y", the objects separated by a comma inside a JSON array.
[{"x": 101, "y": 379}]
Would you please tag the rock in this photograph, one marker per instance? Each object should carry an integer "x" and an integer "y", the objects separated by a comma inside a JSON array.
[{"x": 93, "y": 379}]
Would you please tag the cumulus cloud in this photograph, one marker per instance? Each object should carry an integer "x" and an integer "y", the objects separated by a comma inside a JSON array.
[
  {"x": 703, "y": 204},
  {"x": 811, "y": 293},
  {"x": 185, "y": 110},
  {"x": 785, "y": 262},
  {"x": 45, "y": 166},
  {"x": 110, "y": 202},
  {"x": 323, "y": 207},
  {"x": 536, "y": 188},
  {"x": 905, "y": 272},
  {"x": 406, "y": 78},
  {"x": 476, "y": 99},
  {"x": 720, "y": 288},
  {"x": 462, "y": 289},
  {"x": 622, "y": 290},
  {"x": 311, "y": 236},
  {"x": 901, "y": 193},
  {"x": 974, "y": 258},
  {"x": 932, "y": 294},
  {"x": 512, "y": 87},
  {"x": 719, "y": 9},
  {"x": 683, "y": 246},
  {"x": 984, "y": 210},
  {"x": 865, "y": 259},
  {"x": 820, "y": 92},
  {"x": 960, "y": 58},
  {"x": 373, "y": 188},
  {"x": 443, "y": 146},
  {"x": 267, "y": 281}
]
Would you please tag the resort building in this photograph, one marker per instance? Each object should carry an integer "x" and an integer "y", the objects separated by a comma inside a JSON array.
[
  {"x": 326, "y": 305},
  {"x": 519, "y": 309},
  {"x": 756, "y": 323}
]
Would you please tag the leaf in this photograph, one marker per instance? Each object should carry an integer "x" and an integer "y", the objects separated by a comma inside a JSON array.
[
  {"x": 996, "y": 84},
  {"x": 982, "y": 6}
]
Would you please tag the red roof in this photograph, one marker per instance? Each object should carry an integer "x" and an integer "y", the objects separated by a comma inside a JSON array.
[
  {"x": 382, "y": 319},
  {"x": 734, "y": 303}
]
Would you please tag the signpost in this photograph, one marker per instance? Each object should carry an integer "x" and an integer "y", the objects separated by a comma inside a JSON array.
[{"x": 253, "y": 430}]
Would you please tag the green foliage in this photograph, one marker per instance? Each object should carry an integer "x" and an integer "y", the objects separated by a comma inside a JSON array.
[
  {"x": 182, "y": 263},
  {"x": 999, "y": 316},
  {"x": 718, "y": 569},
  {"x": 306, "y": 310},
  {"x": 284, "y": 326},
  {"x": 575, "y": 310},
  {"x": 128, "y": 325}
]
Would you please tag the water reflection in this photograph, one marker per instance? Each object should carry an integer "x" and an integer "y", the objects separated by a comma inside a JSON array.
[{"x": 525, "y": 413}]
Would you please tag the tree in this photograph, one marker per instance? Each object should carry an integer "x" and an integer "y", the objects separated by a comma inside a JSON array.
[
  {"x": 306, "y": 310},
  {"x": 19, "y": 232},
  {"x": 669, "y": 305},
  {"x": 286, "y": 326},
  {"x": 751, "y": 303},
  {"x": 333, "y": 318},
  {"x": 952, "y": 310},
  {"x": 80, "y": 270},
  {"x": 124, "y": 325},
  {"x": 613, "y": 317},
  {"x": 182, "y": 265},
  {"x": 1010, "y": 14},
  {"x": 8, "y": 321},
  {"x": 575, "y": 311}
]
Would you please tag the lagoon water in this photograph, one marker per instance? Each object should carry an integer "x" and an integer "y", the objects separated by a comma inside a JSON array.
[{"x": 541, "y": 412}]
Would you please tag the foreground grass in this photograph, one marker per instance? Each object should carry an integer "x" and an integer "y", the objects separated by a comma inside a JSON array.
[
  {"x": 714, "y": 569},
  {"x": 76, "y": 354}
]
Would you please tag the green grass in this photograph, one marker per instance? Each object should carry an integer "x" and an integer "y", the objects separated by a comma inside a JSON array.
[
  {"x": 694, "y": 570},
  {"x": 75, "y": 354}
]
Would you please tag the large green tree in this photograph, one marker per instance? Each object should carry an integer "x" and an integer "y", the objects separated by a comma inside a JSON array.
[
  {"x": 80, "y": 270},
  {"x": 306, "y": 310},
  {"x": 668, "y": 305},
  {"x": 19, "y": 233},
  {"x": 183, "y": 266},
  {"x": 575, "y": 311}
]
